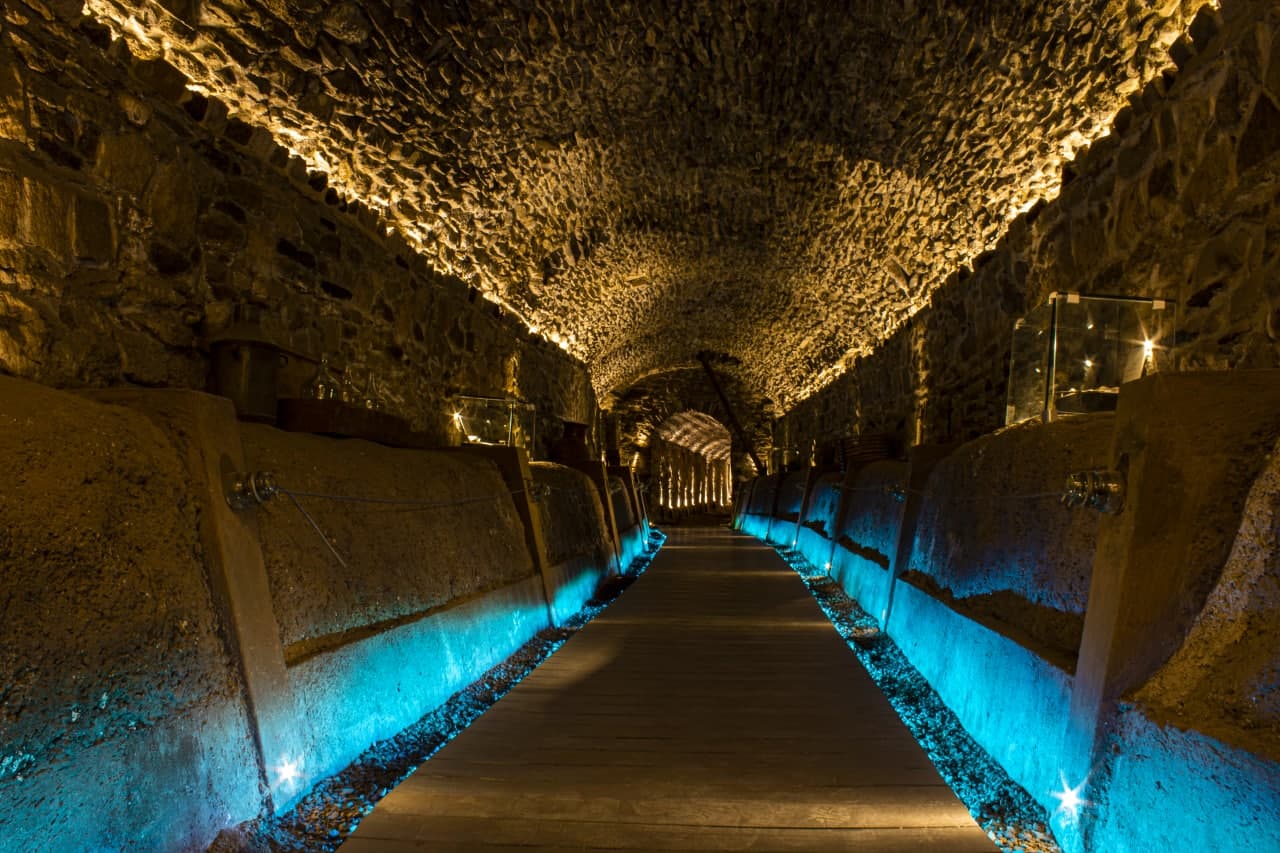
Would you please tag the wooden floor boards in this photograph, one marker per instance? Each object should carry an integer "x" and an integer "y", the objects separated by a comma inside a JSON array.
[{"x": 712, "y": 707}]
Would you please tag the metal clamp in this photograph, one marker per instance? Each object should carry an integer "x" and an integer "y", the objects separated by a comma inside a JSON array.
[
  {"x": 247, "y": 489},
  {"x": 1102, "y": 490}
]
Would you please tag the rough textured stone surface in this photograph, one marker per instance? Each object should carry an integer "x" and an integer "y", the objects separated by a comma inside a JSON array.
[
  {"x": 698, "y": 432},
  {"x": 823, "y": 199},
  {"x": 991, "y": 519},
  {"x": 456, "y": 534},
  {"x": 117, "y": 685},
  {"x": 572, "y": 515},
  {"x": 137, "y": 215},
  {"x": 1223, "y": 680},
  {"x": 639, "y": 181},
  {"x": 645, "y": 407},
  {"x": 1180, "y": 201}
]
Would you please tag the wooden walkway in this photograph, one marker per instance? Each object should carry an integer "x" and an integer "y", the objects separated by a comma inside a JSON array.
[{"x": 712, "y": 707}]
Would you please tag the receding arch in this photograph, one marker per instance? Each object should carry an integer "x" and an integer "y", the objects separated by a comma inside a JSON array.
[{"x": 690, "y": 464}]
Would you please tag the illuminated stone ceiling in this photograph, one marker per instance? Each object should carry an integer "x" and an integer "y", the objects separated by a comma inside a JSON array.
[
  {"x": 642, "y": 181},
  {"x": 698, "y": 432}
]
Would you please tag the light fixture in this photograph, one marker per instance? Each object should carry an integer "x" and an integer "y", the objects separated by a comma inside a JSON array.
[
  {"x": 288, "y": 773},
  {"x": 1069, "y": 800}
]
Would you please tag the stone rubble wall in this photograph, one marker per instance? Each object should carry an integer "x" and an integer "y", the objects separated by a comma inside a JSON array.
[
  {"x": 648, "y": 180},
  {"x": 645, "y": 406},
  {"x": 136, "y": 215},
  {"x": 1181, "y": 202}
]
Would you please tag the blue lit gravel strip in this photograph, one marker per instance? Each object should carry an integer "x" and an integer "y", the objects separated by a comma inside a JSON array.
[
  {"x": 1006, "y": 812},
  {"x": 323, "y": 819}
]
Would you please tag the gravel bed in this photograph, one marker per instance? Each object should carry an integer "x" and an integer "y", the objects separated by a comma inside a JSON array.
[
  {"x": 332, "y": 809},
  {"x": 1004, "y": 810}
]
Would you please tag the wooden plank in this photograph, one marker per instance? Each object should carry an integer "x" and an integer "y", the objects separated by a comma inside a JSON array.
[
  {"x": 460, "y": 835},
  {"x": 712, "y": 707}
]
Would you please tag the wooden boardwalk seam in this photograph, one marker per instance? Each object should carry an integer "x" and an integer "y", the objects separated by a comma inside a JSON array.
[{"x": 712, "y": 707}]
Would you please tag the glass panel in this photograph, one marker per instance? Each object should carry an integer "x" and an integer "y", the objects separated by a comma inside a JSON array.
[
  {"x": 1028, "y": 362},
  {"x": 494, "y": 420},
  {"x": 1100, "y": 344}
]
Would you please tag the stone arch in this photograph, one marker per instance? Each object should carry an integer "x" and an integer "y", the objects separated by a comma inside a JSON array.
[
  {"x": 690, "y": 464},
  {"x": 640, "y": 409}
]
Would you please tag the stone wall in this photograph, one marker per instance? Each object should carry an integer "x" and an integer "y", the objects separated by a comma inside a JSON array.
[
  {"x": 1128, "y": 656},
  {"x": 647, "y": 182},
  {"x": 118, "y": 686},
  {"x": 644, "y": 407},
  {"x": 193, "y": 665},
  {"x": 394, "y": 562},
  {"x": 137, "y": 216},
  {"x": 1181, "y": 201}
]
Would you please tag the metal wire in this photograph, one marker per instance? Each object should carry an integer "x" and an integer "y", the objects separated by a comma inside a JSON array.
[
  {"x": 403, "y": 504},
  {"x": 416, "y": 505},
  {"x": 316, "y": 528},
  {"x": 901, "y": 492},
  {"x": 538, "y": 490}
]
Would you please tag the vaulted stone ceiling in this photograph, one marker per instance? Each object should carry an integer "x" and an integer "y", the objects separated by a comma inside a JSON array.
[
  {"x": 783, "y": 183},
  {"x": 699, "y": 432}
]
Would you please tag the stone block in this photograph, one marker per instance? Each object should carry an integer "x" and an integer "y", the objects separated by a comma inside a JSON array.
[
  {"x": 187, "y": 11},
  {"x": 143, "y": 359},
  {"x": 162, "y": 78},
  {"x": 10, "y": 206},
  {"x": 95, "y": 238},
  {"x": 13, "y": 101},
  {"x": 125, "y": 161},
  {"x": 1212, "y": 176},
  {"x": 1261, "y": 139},
  {"x": 172, "y": 203},
  {"x": 44, "y": 220},
  {"x": 22, "y": 334}
]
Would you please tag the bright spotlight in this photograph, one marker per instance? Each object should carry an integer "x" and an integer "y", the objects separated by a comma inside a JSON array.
[
  {"x": 1069, "y": 800},
  {"x": 288, "y": 773}
]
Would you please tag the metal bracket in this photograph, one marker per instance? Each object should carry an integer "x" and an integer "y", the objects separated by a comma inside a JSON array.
[
  {"x": 247, "y": 489},
  {"x": 1102, "y": 490}
]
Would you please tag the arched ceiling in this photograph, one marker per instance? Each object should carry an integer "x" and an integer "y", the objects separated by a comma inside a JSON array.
[
  {"x": 647, "y": 404},
  {"x": 697, "y": 431},
  {"x": 781, "y": 182}
]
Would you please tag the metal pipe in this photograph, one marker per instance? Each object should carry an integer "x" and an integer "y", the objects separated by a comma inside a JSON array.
[{"x": 729, "y": 413}]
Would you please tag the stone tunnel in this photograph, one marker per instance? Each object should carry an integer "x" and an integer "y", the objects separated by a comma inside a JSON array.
[{"x": 355, "y": 356}]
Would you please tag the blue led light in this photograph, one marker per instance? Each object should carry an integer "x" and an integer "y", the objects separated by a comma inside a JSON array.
[
  {"x": 1069, "y": 800},
  {"x": 298, "y": 828},
  {"x": 1005, "y": 811}
]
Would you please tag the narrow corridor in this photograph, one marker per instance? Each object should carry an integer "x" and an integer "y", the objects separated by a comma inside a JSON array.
[{"x": 712, "y": 707}]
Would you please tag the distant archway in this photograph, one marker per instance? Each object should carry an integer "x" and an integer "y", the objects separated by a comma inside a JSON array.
[
  {"x": 639, "y": 411},
  {"x": 690, "y": 464}
]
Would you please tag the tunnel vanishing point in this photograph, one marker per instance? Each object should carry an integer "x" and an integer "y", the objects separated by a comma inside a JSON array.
[{"x": 345, "y": 347}]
